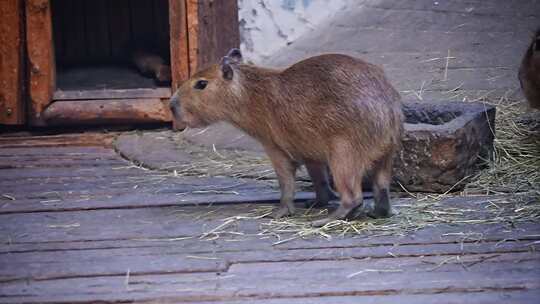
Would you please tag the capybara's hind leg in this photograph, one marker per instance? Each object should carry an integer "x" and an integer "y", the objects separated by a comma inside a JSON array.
[
  {"x": 348, "y": 181},
  {"x": 319, "y": 176},
  {"x": 382, "y": 176},
  {"x": 285, "y": 169}
]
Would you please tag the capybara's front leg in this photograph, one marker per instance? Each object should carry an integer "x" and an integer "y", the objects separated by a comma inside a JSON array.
[
  {"x": 319, "y": 176},
  {"x": 285, "y": 169}
]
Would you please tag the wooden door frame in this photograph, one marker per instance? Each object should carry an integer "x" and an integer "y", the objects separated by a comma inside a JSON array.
[
  {"x": 12, "y": 109},
  {"x": 197, "y": 38},
  {"x": 41, "y": 62},
  {"x": 121, "y": 107}
]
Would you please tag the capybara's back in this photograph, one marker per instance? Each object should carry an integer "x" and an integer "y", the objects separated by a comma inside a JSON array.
[
  {"x": 329, "y": 98},
  {"x": 331, "y": 111},
  {"x": 529, "y": 72}
]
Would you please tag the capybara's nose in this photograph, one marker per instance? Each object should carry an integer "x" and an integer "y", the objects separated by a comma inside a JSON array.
[{"x": 173, "y": 104}]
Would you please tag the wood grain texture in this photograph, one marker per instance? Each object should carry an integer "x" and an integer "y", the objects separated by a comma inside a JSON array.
[
  {"x": 11, "y": 62},
  {"x": 108, "y": 111},
  {"x": 40, "y": 57},
  {"x": 81, "y": 224},
  {"x": 214, "y": 33},
  {"x": 178, "y": 42},
  {"x": 162, "y": 92}
]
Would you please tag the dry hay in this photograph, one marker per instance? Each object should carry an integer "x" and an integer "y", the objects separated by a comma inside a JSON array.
[
  {"x": 412, "y": 215},
  {"x": 214, "y": 162},
  {"x": 515, "y": 167}
]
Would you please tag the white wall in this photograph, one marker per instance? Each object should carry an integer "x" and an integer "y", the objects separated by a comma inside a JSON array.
[{"x": 268, "y": 25}]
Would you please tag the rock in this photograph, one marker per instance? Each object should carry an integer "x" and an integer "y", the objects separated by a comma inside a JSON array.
[{"x": 444, "y": 143}]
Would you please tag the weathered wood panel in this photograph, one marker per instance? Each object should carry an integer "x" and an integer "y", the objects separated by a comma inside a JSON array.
[
  {"x": 70, "y": 144},
  {"x": 108, "y": 111},
  {"x": 11, "y": 62},
  {"x": 178, "y": 42},
  {"x": 112, "y": 94},
  {"x": 212, "y": 33},
  {"x": 40, "y": 56},
  {"x": 267, "y": 280}
]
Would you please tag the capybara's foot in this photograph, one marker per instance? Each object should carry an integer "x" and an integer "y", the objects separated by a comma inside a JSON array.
[
  {"x": 282, "y": 212},
  {"x": 340, "y": 213},
  {"x": 373, "y": 210}
]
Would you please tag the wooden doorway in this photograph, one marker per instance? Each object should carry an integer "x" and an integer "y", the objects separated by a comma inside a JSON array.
[{"x": 78, "y": 55}]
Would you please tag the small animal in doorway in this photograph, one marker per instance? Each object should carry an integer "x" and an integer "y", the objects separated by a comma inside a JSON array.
[
  {"x": 529, "y": 72},
  {"x": 152, "y": 65},
  {"x": 330, "y": 110}
]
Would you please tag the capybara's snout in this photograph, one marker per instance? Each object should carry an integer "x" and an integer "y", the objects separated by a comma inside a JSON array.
[{"x": 174, "y": 106}]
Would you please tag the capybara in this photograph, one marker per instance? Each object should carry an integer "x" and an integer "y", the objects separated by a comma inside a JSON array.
[
  {"x": 529, "y": 72},
  {"x": 151, "y": 65},
  {"x": 330, "y": 110}
]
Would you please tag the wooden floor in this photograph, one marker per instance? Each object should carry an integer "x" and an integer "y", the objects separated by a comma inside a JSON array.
[{"x": 80, "y": 224}]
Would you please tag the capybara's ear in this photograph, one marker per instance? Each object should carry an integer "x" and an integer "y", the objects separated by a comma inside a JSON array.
[
  {"x": 226, "y": 68},
  {"x": 235, "y": 56}
]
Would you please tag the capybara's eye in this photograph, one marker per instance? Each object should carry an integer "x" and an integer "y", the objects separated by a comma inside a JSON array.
[{"x": 200, "y": 84}]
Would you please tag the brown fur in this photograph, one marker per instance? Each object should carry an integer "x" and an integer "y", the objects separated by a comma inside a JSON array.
[
  {"x": 529, "y": 72},
  {"x": 152, "y": 65},
  {"x": 330, "y": 110}
]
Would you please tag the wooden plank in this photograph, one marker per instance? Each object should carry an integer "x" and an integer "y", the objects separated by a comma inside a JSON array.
[
  {"x": 120, "y": 29},
  {"x": 104, "y": 140},
  {"x": 40, "y": 56},
  {"x": 485, "y": 297},
  {"x": 304, "y": 279},
  {"x": 40, "y": 265},
  {"x": 158, "y": 92},
  {"x": 192, "y": 15},
  {"x": 142, "y": 222},
  {"x": 65, "y": 163},
  {"x": 123, "y": 200},
  {"x": 108, "y": 111},
  {"x": 242, "y": 243},
  {"x": 14, "y": 174},
  {"x": 11, "y": 63},
  {"x": 179, "y": 42},
  {"x": 97, "y": 31},
  {"x": 57, "y": 150},
  {"x": 212, "y": 33}
]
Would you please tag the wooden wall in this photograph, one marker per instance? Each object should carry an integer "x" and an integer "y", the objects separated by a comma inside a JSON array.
[
  {"x": 213, "y": 32},
  {"x": 104, "y": 31},
  {"x": 11, "y": 62}
]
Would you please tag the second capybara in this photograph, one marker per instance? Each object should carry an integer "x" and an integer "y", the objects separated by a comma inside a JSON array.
[
  {"x": 151, "y": 65},
  {"x": 329, "y": 110},
  {"x": 529, "y": 72}
]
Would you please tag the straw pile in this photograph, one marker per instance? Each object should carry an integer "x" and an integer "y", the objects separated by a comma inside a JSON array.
[{"x": 515, "y": 168}]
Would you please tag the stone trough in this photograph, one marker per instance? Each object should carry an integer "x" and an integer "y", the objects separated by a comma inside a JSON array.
[{"x": 444, "y": 143}]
